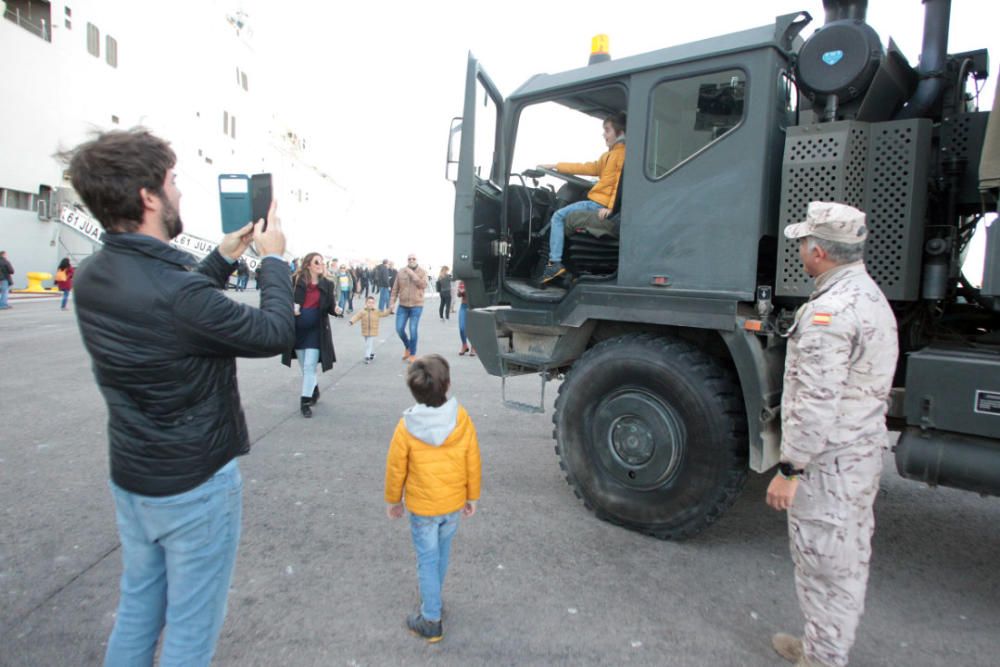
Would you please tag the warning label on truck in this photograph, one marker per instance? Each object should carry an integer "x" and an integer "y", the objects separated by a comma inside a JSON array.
[{"x": 988, "y": 402}]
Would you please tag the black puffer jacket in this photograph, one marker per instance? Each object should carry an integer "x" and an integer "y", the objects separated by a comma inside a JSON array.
[{"x": 163, "y": 339}]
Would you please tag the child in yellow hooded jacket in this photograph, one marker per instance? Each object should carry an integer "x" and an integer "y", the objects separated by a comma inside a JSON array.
[{"x": 434, "y": 465}]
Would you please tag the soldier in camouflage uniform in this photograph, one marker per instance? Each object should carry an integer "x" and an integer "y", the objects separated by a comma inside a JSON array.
[{"x": 842, "y": 351}]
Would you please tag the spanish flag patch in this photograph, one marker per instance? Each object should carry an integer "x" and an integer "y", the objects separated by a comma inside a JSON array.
[{"x": 822, "y": 318}]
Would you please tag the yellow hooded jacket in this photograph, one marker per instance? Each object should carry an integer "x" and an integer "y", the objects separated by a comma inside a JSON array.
[
  {"x": 608, "y": 169},
  {"x": 434, "y": 456}
]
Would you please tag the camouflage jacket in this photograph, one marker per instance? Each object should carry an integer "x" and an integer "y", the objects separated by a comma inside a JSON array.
[{"x": 841, "y": 358}]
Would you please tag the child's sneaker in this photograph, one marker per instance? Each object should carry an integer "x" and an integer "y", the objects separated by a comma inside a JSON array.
[
  {"x": 368, "y": 360},
  {"x": 429, "y": 630}
]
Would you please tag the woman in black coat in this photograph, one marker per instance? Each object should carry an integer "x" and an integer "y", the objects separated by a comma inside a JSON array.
[{"x": 315, "y": 301}]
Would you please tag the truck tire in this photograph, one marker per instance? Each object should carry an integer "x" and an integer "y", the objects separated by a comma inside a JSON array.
[{"x": 651, "y": 433}]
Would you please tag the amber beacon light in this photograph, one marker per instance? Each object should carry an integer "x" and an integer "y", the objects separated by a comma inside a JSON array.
[{"x": 599, "y": 52}]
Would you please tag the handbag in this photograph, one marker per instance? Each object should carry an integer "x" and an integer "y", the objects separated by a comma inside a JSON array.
[{"x": 61, "y": 275}]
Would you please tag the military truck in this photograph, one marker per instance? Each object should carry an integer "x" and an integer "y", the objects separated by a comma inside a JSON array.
[{"x": 668, "y": 334}]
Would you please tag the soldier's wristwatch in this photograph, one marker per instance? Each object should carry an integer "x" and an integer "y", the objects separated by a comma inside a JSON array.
[{"x": 786, "y": 470}]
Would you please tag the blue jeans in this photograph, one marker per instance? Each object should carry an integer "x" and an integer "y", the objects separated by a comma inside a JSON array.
[
  {"x": 178, "y": 554},
  {"x": 411, "y": 314},
  {"x": 65, "y": 298},
  {"x": 343, "y": 300},
  {"x": 463, "y": 311},
  {"x": 557, "y": 230},
  {"x": 308, "y": 358},
  {"x": 383, "y": 298},
  {"x": 4, "y": 291},
  {"x": 432, "y": 537}
]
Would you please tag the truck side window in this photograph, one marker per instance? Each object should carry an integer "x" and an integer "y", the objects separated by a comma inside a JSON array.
[
  {"x": 487, "y": 114},
  {"x": 686, "y": 115}
]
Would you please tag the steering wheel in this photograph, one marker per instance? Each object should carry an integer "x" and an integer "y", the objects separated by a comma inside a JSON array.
[{"x": 569, "y": 178}]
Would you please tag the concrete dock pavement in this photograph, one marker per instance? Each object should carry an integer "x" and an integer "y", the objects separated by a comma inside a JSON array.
[{"x": 323, "y": 578}]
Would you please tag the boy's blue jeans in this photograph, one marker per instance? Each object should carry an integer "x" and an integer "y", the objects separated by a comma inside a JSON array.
[
  {"x": 432, "y": 537},
  {"x": 411, "y": 314},
  {"x": 178, "y": 554},
  {"x": 557, "y": 230}
]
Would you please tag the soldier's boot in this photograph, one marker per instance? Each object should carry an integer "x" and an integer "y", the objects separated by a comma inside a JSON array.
[{"x": 788, "y": 647}]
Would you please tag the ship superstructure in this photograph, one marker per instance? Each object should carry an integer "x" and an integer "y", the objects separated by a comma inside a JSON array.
[{"x": 189, "y": 72}]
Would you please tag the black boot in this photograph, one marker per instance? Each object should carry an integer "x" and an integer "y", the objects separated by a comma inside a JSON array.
[
  {"x": 304, "y": 406},
  {"x": 315, "y": 396}
]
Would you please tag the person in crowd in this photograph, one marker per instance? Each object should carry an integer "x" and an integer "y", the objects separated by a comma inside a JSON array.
[
  {"x": 444, "y": 292},
  {"x": 6, "y": 280},
  {"x": 359, "y": 283},
  {"x": 408, "y": 289},
  {"x": 314, "y": 301},
  {"x": 434, "y": 467},
  {"x": 64, "y": 280},
  {"x": 842, "y": 351},
  {"x": 163, "y": 340},
  {"x": 345, "y": 285},
  {"x": 370, "y": 317},
  {"x": 392, "y": 274},
  {"x": 382, "y": 284},
  {"x": 600, "y": 198},
  {"x": 242, "y": 275},
  {"x": 463, "y": 313},
  {"x": 256, "y": 278}
]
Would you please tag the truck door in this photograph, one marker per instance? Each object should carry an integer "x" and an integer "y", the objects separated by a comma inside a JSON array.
[{"x": 479, "y": 249}]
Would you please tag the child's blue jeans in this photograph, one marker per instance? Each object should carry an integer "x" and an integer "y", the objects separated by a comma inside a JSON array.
[{"x": 432, "y": 541}]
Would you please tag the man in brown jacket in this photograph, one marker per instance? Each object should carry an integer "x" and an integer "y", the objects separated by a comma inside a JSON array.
[{"x": 411, "y": 281}]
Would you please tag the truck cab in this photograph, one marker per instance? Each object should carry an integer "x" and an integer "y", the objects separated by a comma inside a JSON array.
[{"x": 667, "y": 331}]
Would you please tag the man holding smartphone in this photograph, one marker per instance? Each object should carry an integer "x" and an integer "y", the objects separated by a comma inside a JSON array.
[{"x": 164, "y": 340}]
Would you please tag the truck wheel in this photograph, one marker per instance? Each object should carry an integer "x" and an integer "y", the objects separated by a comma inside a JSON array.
[{"x": 651, "y": 432}]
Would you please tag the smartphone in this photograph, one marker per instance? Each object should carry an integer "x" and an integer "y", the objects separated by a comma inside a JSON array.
[
  {"x": 260, "y": 196},
  {"x": 234, "y": 200}
]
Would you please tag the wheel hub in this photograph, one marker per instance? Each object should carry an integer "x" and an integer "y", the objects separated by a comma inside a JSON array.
[
  {"x": 639, "y": 438},
  {"x": 632, "y": 440}
]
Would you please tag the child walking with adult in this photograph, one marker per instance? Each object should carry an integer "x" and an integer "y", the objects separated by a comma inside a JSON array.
[
  {"x": 315, "y": 300},
  {"x": 64, "y": 280},
  {"x": 369, "y": 326},
  {"x": 408, "y": 289},
  {"x": 434, "y": 467},
  {"x": 444, "y": 291}
]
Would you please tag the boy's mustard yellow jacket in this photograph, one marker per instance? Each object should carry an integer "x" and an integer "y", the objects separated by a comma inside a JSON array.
[
  {"x": 608, "y": 169},
  {"x": 434, "y": 455}
]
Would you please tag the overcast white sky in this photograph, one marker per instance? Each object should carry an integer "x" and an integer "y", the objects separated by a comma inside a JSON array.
[{"x": 375, "y": 84}]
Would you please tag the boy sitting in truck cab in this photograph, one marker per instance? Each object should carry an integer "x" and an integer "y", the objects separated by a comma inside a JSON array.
[{"x": 601, "y": 198}]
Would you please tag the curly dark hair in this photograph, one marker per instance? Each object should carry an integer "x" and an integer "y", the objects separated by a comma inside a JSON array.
[{"x": 109, "y": 171}]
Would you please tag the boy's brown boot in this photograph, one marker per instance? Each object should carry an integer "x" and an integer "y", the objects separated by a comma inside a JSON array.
[
  {"x": 429, "y": 630},
  {"x": 788, "y": 647}
]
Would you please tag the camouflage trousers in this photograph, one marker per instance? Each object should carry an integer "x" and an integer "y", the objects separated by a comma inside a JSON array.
[{"x": 830, "y": 525}]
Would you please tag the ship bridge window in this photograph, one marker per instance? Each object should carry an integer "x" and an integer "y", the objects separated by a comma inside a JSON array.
[
  {"x": 93, "y": 40},
  {"x": 111, "y": 50},
  {"x": 689, "y": 114},
  {"x": 35, "y": 16}
]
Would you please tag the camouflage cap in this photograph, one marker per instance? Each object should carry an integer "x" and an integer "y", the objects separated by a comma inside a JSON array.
[{"x": 832, "y": 222}]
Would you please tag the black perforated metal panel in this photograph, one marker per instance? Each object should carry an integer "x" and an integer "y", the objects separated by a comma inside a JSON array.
[
  {"x": 821, "y": 163},
  {"x": 897, "y": 161},
  {"x": 875, "y": 167}
]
